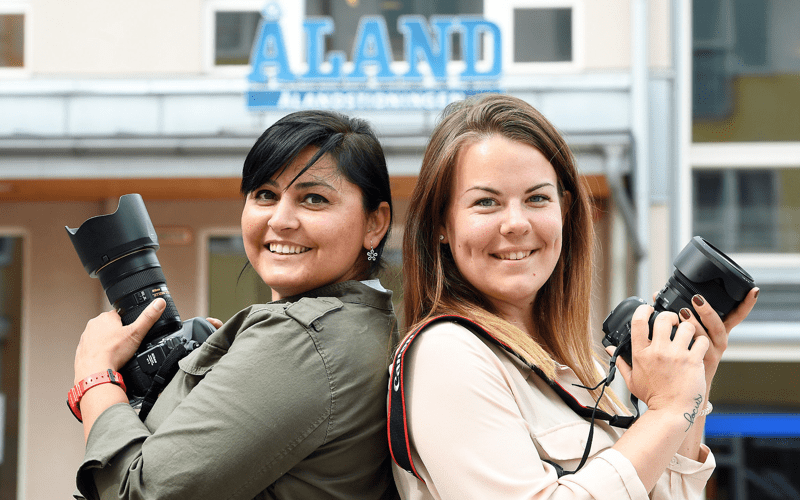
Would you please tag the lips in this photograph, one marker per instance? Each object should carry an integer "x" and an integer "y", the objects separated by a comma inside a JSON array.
[
  {"x": 287, "y": 249},
  {"x": 512, "y": 255}
]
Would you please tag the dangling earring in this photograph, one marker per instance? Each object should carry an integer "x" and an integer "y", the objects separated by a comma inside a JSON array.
[{"x": 372, "y": 254}]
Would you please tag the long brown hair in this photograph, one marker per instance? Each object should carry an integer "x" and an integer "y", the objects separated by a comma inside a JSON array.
[{"x": 433, "y": 285}]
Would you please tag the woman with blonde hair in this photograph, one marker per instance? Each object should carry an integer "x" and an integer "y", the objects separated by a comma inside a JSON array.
[{"x": 499, "y": 240}]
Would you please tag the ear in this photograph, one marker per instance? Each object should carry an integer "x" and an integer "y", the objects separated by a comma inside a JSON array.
[
  {"x": 441, "y": 236},
  {"x": 377, "y": 225}
]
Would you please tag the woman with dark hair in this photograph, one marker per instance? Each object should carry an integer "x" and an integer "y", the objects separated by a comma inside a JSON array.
[
  {"x": 499, "y": 240},
  {"x": 286, "y": 399}
]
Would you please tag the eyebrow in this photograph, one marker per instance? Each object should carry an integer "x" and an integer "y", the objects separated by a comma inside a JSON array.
[
  {"x": 312, "y": 184},
  {"x": 303, "y": 185},
  {"x": 496, "y": 192}
]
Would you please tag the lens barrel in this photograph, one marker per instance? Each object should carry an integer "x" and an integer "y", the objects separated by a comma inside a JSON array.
[
  {"x": 120, "y": 250},
  {"x": 700, "y": 268},
  {"x": 131, "y": 283}
]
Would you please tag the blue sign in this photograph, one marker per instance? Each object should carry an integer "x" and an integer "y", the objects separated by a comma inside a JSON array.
[
  {"x": 774, "y": 425},
  {"x": 371, "y": 58}
]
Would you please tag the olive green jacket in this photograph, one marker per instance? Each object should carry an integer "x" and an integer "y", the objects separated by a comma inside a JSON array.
[{"x": 287, "y": 400}]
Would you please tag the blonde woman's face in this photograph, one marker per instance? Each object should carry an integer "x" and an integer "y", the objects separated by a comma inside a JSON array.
[{"x": 504, "y": 221}]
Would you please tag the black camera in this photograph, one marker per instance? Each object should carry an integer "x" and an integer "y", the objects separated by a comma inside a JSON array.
[
  {"x": 700, "y": 268},
  {"x": 120, "y": 250}
]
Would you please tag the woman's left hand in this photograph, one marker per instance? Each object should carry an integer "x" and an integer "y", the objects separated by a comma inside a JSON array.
[
  {"x": 215, "y": 322},
  {"x": 717, "y": 330},
  {"x": 107, "y": 343}
]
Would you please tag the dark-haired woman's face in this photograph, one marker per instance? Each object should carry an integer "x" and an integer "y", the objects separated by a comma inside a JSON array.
[
  {"x": 308, "y": 234},
  {"x": 504, "y": 221}
]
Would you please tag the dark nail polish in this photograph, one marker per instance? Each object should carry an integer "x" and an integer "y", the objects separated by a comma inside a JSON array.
[
  {"x": 758, "y": 290},
  {"x": 685, "y": 314},
  {"x": 698, "y": 300}
]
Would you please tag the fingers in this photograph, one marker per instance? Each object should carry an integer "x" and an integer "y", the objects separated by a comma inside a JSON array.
[
  {"x": 685, "y": 334},
  {"x": 139, "y": 328},
  {"x": 700, "y": 346},
  {"x": 215, "y": 322},
  {"x": 742, "y": 310},
  {"x": 640, "y": 328}
]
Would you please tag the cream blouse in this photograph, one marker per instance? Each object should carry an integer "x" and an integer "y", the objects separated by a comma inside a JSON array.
[{"x": 481, "y": 423}]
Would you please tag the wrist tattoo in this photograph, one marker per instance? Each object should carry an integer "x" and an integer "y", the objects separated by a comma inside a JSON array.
[{"x": 691, "y": 416}]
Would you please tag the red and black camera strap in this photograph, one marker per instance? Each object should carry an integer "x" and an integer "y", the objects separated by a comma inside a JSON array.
[{"x": 397, "y": 422}]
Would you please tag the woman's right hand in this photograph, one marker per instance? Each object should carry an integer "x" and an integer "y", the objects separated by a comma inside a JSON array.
[
  {"x": 666, "y": 374},
  {"x": 669, "y": 377}
]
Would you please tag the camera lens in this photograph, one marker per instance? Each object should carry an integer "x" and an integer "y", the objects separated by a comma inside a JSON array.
[
  {"x": 132, "y": 283},
  {"x": 700, "y": 268},
  {"x": 120, "y": 250}
]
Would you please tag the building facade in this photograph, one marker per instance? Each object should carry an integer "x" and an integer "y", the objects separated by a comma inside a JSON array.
[{"x": 678, "y": 127}]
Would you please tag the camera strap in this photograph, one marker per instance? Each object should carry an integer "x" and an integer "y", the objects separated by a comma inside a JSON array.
[
  {"x": 397, "y": 422},
  {"x": 162, "y": 377}
]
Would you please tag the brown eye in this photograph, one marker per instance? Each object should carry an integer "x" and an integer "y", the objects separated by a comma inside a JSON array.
[
  {"x": 264, "y": 195},
  {"x": 315, "y": 199}
]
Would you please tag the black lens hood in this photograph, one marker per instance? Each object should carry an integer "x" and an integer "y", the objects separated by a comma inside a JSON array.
[
  {"x": 106, "y": 238},
  {"x": 701, "y": 262}
]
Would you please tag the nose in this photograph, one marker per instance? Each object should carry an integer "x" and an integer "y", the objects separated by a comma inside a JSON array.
[
  {"x": 284, "y": 215},
  {"x": 516, "y": 221}
]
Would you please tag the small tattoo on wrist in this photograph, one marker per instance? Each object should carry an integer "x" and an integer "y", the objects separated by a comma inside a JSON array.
[{"x": 691, "y": 416}]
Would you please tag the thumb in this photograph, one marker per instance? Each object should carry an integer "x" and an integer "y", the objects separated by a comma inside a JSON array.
[{"x": 139, "y": 328}]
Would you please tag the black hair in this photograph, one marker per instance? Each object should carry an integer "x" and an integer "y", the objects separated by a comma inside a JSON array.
[{"x": 350, "y": 142}]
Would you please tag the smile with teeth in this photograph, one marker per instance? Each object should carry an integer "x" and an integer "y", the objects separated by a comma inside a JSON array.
[
  {"x": 286, "y": 249},
  {"x": 513, "y": 255}
]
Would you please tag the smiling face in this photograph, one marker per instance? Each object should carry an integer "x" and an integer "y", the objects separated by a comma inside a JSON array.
[
  {"x": 504, "y": 222},
  {"x": 308, "y": 234}
]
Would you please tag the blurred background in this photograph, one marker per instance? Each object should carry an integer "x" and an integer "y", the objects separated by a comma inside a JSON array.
[{"x": 684, "y": 118}]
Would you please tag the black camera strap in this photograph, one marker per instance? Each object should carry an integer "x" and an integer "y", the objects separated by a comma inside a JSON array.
[
  {"x": 162, "y": 377},
  {"x": 399, "y": 443}
]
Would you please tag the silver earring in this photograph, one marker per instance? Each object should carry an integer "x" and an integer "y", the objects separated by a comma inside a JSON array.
[
  {"x": 372, "y": 254},
  {"x": 441, "y": 237}
]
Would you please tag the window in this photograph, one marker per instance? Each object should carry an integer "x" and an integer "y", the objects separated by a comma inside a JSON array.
[
  {"x": 746, "y": 82},
  {"x": 542, "y": 35},
  {"x": 755, "y": 212},
  {"x": 10, "y": 328},
  {"x": 12, "y": 40},
  {"x": 539, "y": 36},
  {"x": 232, "y": 28},
  {"x": 234, "y": 35},
  {"x": 748, "y": 211}
]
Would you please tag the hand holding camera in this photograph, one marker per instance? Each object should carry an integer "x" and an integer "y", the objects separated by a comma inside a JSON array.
[
  {"x": 120, "y": 250},
  {"x": 704, "y": 276},
  {"x": 107, "y": 343},
  {"x": 668, "y": 357}
]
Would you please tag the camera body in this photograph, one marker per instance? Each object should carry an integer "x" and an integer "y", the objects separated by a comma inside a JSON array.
[
  {"x": 700, "y": 268},
  {"x": 139, "y": 373},
  {"x": 120, "y": 250}
]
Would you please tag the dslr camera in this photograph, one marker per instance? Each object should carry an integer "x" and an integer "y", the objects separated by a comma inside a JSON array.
[
  {"x": 120, "y": 250},
  {"x": 700, "y": 268}
]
